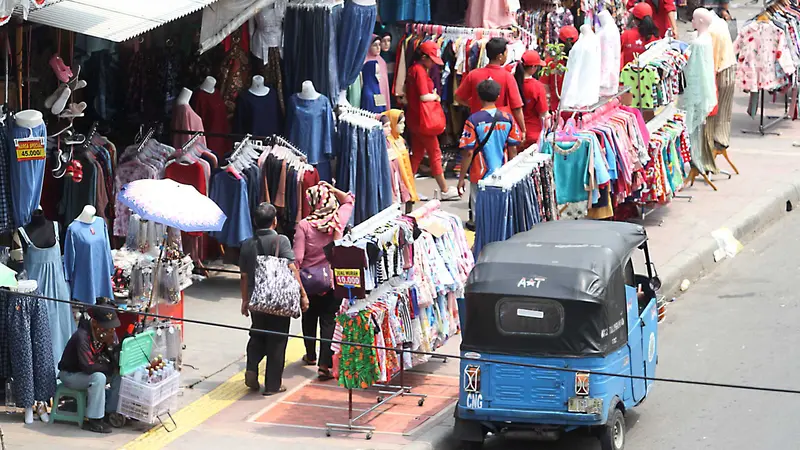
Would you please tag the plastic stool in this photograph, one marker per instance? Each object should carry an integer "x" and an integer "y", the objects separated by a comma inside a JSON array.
[{"x": 80, "y": 398}]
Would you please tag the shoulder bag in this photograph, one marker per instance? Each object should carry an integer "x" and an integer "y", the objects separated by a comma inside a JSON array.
[
  {"x": 276, "y": 290},
  {"x": 477, "y": 167}
]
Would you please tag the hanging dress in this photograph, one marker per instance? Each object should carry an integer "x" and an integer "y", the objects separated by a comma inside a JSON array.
[{"x": 45, "y": 266}]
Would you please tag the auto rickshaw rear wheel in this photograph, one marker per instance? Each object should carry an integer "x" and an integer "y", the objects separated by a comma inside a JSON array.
[{"x": 612, "y": 434}]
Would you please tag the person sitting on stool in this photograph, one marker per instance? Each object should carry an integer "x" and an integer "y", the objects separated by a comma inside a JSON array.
[{"x": 87, "y": 364}]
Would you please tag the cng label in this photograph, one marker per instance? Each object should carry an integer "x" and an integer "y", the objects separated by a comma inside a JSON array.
[
  {"x": 651, "y": 350},
  {"x": 474, "y": 401}
]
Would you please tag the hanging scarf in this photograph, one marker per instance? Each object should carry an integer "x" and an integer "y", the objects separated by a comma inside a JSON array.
[{"x": 323, "y": 201}]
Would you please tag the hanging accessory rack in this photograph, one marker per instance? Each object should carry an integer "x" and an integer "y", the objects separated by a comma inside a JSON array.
[
  {"x": 774, "y": 120},
  {"x": 146, "y": 138},
  {"x": 283, "y": 142},
  {"x": 384, "y": 394},
  {"x": 191, "y": 141}
]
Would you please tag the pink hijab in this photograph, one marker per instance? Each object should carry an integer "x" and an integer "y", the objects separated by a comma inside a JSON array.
[{"x": 384, "y": 82}]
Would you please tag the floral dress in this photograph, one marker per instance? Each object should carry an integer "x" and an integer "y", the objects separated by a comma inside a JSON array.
[
  {"x": 358, "y": 367},
  {"x": 758, "y": 49}
]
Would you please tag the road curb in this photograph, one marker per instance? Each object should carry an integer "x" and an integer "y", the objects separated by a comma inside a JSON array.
[
  {"x": 438, "y": 435},
  {"x": 698, "y": 259}
]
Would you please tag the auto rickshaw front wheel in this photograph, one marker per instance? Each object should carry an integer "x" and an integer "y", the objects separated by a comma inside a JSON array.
[{"x": 612, "y": 434}]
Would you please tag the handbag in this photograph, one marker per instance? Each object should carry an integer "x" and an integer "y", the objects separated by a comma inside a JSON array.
[
  {"x": 276, "y": 290},
  {"x": 317, "y": 279},
  {"x": 477, "y": 167},
  {"x": 432, "y": 120}
]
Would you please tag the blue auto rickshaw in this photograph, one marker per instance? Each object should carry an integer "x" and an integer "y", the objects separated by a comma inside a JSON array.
[{"x": 562, "y": 297}]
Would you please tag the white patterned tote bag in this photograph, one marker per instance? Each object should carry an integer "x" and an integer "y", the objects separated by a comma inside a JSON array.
[{"x": 276, "y": 290}]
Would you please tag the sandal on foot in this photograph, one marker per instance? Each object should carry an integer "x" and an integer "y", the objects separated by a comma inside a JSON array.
[
  {"x": 279, "y": 391},
  {"x": 308, "y": 361},
  {"x": 324, "y": 374}
]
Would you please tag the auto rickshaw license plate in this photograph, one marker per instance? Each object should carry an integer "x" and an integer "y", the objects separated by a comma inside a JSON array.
[{"x": 585, "y": 405}]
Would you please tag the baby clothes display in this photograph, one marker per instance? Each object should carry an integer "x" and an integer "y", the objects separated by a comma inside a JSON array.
[
  {"x": 46, "y": 267},
  {"x": 764, "y": 57},
  {"x": 610, "y": 48},
  {"x": 656, "y": 80},
  {"x": 88, "y": 265}
]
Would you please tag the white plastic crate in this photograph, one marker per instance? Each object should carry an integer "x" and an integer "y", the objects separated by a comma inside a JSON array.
[
  {"x": 150, "y": 394},
  {"x": 146, "y": 413}
]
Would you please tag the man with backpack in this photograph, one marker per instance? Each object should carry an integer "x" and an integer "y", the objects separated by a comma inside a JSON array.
[
  {"x": 490, "y": 138},
  {"x": 266, "y": 242}
]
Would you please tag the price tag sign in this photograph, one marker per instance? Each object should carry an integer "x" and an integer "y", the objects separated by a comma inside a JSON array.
[
  {"x": 347, "y": 278},
  {"x": 29, "y": 149}
]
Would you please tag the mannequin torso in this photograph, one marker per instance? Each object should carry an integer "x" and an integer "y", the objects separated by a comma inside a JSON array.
[
  {"x": 30, "y": 118},
  {"x": 257, "y": 87},
  {"x": 364, "y": 2},
  {"x": 308, "y": 92},
  {"x": 184, "y": 96},
  {"x": 208, "y": 85},
  {"x": 40, "y": 231}
]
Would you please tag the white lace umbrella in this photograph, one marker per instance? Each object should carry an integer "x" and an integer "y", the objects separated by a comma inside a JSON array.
[{"x": 173, "y": 204}]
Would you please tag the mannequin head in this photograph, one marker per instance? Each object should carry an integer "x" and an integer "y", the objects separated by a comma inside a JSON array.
[
  {"x": 701, "y": 19},
  {"x": 386, "y": 124},
  {"x": 375, "y": 47},
  {"x": 397, "y": 121},
  {"x": 386, "y": 42}
]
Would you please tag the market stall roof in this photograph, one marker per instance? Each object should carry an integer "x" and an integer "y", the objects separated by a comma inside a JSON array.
[{"x": 115, "y": 20}]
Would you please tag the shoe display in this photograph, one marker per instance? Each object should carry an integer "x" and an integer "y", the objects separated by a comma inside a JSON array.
[
  {"x": 61, "y": 101},
  {"x": 63, "y": 73},
  {"x": 73, "y": 110}
]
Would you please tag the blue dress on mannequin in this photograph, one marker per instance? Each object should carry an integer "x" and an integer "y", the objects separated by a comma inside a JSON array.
[
  {"x": 44, "y": 265},
  {"x": 371, "y": 88}
]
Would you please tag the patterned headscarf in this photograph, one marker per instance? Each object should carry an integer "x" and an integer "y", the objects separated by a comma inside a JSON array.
[{"x": 325, "y": 206}]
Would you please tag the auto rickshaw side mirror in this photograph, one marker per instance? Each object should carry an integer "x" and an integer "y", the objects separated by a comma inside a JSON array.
[{"x": 655, "y": 283}]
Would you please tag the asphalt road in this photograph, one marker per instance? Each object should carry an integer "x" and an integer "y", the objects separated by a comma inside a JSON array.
[{"x": 739, "y": 325}]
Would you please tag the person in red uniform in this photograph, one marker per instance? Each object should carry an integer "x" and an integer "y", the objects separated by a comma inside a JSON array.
[
  {"x": 664, "y": 15},
  {"x": 510, "y": 99},
  {"x": 642, "y": 32},
  {"x": 553, "y": 82},
  {"x": 419, "y": 89},
  {"x": 534, "y": 96}
]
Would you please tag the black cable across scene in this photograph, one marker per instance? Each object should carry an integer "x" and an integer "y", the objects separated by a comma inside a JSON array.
[{"x": 417, "y": 352}]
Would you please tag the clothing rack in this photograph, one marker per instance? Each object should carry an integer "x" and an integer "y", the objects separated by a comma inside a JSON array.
[
  {"x": 427, "y": 28},
  {"x": 600, "y": 103},
  {"x": 369, "y": 117},
  {"x": 239, "y": 146},
  {"x": 146, "y": 138},
  {"x": 374, "y": 222},
  {"x": 280, "y": 140},
  {"x": 516, "y": 169},
  {"x": 310, "y": 4},
  {"x": 191, "y": 140},
  {"x": 774, "y": 120}
]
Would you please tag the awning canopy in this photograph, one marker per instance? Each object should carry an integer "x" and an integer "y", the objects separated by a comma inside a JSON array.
[
  {"x": 226, "y": 16},
  {"x": 115, "y": 20}
]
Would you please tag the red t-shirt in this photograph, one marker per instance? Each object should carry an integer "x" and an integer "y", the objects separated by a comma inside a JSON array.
[
  {"x": 535, "y": 97},
  {"x": 418, "y": 83},
  {"x": 632, "y": 43},
  {"x": 554, "y": 82},
  {"x": 509, "y": 91},
  {"x": 660, "y": 14}
]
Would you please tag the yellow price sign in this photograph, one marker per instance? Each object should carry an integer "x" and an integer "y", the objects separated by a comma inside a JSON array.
[
  {"x": 29, "y": 149},
  {"x": 347, "y": 277}
]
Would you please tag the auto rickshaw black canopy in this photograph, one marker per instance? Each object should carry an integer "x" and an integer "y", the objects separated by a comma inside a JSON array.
[{"x": 557, "y": 289}]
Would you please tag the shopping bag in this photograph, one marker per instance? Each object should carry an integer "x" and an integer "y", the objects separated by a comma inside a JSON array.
[
  {"x": 276, "y": 290},
  {"x": 432, "y": 120}
]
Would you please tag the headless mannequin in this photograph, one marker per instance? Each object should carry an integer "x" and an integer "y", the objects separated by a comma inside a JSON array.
[
  {"x": 257, "y": 87},
  {"x": 184, "y": 96},
  {"x": 40, "y": 231},
  {"x": 87, "y": 215},
  {"x": 30, "y": 118},
  {"x": 308, "y": 92},
  {"x": 364, "y": 2},
  {"x": 208, "y": 85}
]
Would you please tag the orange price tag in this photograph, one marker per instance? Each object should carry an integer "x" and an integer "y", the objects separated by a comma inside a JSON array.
[{"x": 29, "y": 149}]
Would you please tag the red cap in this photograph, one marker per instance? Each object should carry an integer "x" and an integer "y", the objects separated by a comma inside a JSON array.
[
  {"x": 431, "y": 49},
  {"x": 642, "y": 10},
  {"x": 531, "y": 58},
  {"x": 568, "y": 32}
]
